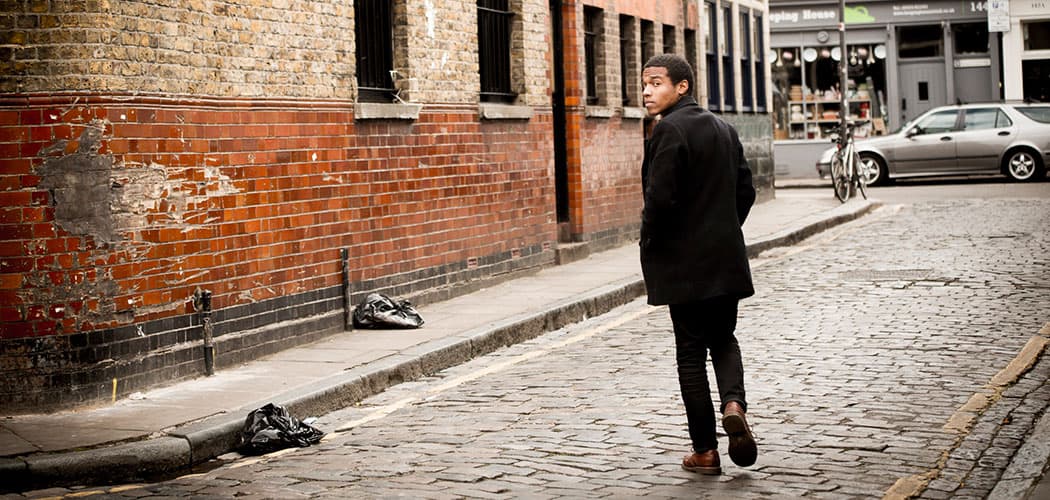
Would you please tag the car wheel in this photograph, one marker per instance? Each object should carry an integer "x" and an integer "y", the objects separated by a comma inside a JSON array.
[
  {"x": 873, "y": 169},
  {"x": 1023, "y": 165}
]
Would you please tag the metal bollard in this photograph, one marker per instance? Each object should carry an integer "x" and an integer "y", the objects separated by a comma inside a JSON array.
[
  {"x": 209, "y": 343},
  {"x": 344, "y": 256}
]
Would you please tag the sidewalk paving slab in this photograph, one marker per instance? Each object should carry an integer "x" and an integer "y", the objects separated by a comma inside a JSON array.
[{"x": 171, "y": 429}]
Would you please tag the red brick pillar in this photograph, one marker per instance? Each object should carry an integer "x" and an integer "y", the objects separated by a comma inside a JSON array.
[{"x": 574, "y": 116}]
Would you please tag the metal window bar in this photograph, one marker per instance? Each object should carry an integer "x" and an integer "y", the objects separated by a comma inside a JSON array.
[
  {"x": 494, "y": 28},
  {"x": 745, "y": 62},
  {"x": 760, "y": 67},
  {"x": 591, "y": 29},
  {"x": 647, "y": 41},
  {"x": 373, "y": 28},
  {"x": 727, "y": 63}
]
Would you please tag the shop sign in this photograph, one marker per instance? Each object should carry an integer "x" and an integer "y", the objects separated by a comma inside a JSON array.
[
  {"x": 998, "y": 16},
  {"x": 877, "y": 13},
  {"x": 1025, "y": 8}
]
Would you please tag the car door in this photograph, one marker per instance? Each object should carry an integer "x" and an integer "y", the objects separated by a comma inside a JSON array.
[
  {"x": 928, "y": 146},
  {"x": 986, "y": 132}
]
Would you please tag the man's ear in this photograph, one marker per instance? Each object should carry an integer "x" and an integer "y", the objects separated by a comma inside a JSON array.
[{"x": 682, "y": 87}]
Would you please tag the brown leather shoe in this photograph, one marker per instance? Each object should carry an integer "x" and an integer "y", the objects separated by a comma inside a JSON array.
[
  {"x": 742, "y": 448},
  {"x": 703, "y": 463}
]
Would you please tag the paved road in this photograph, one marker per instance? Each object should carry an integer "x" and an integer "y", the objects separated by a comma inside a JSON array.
[{"x": 872, "y": 354}]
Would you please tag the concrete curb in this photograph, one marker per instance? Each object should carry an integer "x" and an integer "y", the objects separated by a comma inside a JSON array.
[
  {"x": 840, "y": 215},
  {"x": 182, "y": 448}
]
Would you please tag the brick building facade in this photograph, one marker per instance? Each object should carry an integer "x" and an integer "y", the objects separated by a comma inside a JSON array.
[{"x": 156, "y": 152}]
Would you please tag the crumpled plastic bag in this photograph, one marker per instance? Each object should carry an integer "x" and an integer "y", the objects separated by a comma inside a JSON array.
[
  {"x": 271, "y": 428},
  {"x": 379, "y": 311}
]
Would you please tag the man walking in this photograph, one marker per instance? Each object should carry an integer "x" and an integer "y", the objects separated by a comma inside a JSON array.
[{"x": 697, "y": 193}]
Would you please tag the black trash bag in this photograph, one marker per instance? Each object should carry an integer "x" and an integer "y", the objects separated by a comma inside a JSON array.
[
  {"x": 380, "y": 311},
  {"x": 271, "y": 428}
]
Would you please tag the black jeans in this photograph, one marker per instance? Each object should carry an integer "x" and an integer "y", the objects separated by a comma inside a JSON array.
[{"x": 699, "y": 328}]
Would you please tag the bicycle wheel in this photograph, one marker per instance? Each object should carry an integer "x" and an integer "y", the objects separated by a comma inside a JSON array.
[
  {"x": 839, "y": 178},
  {"x": 859, "y": 177}
]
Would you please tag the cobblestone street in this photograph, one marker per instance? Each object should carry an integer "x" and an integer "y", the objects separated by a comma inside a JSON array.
[{"x": 871, "y": 352}]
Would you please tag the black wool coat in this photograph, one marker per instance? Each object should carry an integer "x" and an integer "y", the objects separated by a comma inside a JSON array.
[{"x": 697, "y": 193}]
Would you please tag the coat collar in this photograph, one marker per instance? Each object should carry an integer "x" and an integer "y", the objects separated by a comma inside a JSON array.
[{"x": 686, "y": 100}]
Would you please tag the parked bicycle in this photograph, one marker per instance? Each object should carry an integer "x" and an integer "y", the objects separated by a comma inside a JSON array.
[{"x": 846, "y": 175}]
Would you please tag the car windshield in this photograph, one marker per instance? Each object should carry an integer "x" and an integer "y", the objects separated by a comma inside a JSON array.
[
  {"x": 905, "y": 126},
  {"x": 937, "y": 122},
  {"x": 1040, "y": 114}
]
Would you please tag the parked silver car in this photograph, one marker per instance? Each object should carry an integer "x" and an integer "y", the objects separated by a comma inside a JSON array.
[{"x": 1011, "y": 139}]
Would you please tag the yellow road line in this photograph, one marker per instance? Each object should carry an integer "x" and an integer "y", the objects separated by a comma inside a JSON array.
[
  {"x": 385, "y": 410},
  {"x": 963, "y": 419}
]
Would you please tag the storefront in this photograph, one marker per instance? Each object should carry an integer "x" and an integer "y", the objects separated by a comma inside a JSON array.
[
  {"x": 903, "y": 59},
  {"x": 1026, "y": 51}
]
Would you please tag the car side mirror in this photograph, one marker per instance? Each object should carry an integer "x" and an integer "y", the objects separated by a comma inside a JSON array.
[{"x": 914, "y": 131}]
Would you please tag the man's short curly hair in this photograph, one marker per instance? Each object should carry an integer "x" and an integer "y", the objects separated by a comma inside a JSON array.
[{"x": 678, "y": 68}]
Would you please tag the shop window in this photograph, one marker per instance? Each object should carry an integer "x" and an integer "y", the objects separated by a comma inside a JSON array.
[
  {"x": 592, "y": 50},
  {"x": 1036, "y": 79},
  {"x": 806, "y": 80},
  {"x": 1036, "y": 35},
  {"x": 985, "y": 118},
  {"x": 711, "y": 42},
  {"x": 669, "y": 39},
  {"x": 628, "y": 67},
  {"x": 374, "y": 36},
  {"x": 745, "y": 61},
  {"x": 728, "y": 81},
  {"x": 648, "y": 39},
  {"x": 920, "y": 41},
  {"x": 970, "y": 39},
  {"x": 494, "y": 33}
]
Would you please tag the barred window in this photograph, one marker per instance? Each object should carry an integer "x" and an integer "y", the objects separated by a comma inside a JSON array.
[
  {"x": 592, "y": 49},
  {"x": 494, "y": 31},
  {"x": 745, "y": 61},
  {"x": 669, "y": 39},
  {"x": 648, "y": 39},
  {"x": 760, "y": 66},
  {"x": 628, "y": 71},
  {"x": 373, "y": 29},
  {"x": 714, "y": 96},
  {"x": 727, "y": 61},
  {"x": 690, "y": 48}
]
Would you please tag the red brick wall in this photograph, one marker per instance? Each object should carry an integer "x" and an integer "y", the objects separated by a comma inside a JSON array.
[
  {"x": 604, "y": 149},
  {"x": 611, "y": 151},
  {"x": 114, "y": 211}
]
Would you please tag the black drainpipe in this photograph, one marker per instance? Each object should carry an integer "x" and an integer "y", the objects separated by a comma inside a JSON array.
[{"x": 561, "y": 169}]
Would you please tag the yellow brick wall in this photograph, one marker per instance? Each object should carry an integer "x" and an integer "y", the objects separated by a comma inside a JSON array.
[{"x": 260, "y": 48}]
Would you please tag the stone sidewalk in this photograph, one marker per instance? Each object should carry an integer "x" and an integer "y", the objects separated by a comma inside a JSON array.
[{"x": 170, "y": 429}]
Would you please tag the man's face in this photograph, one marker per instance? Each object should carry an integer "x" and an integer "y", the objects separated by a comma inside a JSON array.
[{"x": 658, "y": 93}]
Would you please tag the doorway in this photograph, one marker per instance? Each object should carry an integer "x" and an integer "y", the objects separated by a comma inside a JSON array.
[
  {"x": 972, "y": 61},
  {"x": 923, "y": 85}
]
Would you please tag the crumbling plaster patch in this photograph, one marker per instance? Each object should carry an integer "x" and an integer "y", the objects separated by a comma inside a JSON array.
[{"x": 116, "y": 204}]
